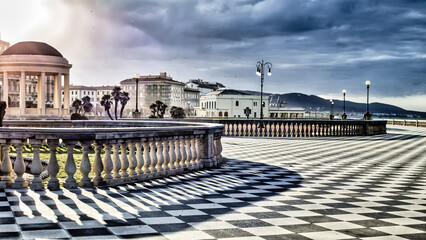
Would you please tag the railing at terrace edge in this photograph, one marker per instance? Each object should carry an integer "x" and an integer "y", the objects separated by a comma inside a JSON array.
[
  {"x": 155, "y": 149},
  {"x": 301, "y": 128},
  {"x": 407, "y": 122}
]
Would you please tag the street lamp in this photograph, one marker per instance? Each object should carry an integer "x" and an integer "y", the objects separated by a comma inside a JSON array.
[
  {"x": 344, "y": 116},
  {"x": 367, "y": 115},
  {"x": 331, "y": 109},
  {"x": 259, "y": 72},
  {"x": 137, "y": 76}
]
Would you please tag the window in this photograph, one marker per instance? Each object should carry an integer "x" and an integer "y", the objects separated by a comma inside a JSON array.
[
  {"x": 263, "y": 104},
  {"x": 255, "y": 104},
  {"x": 237, "y": 104}
]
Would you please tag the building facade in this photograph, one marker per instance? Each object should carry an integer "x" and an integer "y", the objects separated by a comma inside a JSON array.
[
  {"x": 153, "y": 88},
  {"x": 231, "y": 103},
  {"x": 191, "y": 100},
  {"x": 35, "y": 63}
]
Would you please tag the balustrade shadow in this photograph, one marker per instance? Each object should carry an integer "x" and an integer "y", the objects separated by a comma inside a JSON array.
[{"x": 239, "y": 183}]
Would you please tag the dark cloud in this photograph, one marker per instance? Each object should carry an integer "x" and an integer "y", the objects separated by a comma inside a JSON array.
[{"x": 316, "y": 46}]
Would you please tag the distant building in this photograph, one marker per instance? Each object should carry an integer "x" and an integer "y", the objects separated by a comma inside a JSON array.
[
  {"x": 202, "y": 86},
  {"x": 279, "y": 109},
  {"x": 191, "y": 100},
  {"x": 231, "y": 103},
  {"x": 151, "y": 89},
  {"x": 94, "y": 92}
]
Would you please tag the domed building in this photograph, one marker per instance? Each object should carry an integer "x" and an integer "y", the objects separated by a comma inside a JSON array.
[{"x": 34, "y": 72}]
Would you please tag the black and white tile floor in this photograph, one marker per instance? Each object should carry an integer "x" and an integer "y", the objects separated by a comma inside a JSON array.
[{"x": 307, "y": 188}]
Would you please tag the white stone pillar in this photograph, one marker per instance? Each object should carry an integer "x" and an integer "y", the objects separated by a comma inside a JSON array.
[
  {"x": 41, "y": 94},
  {"x": 57, "y": 98},
  {"x": 67, "y": 92},
  {"x": 5, "y": 87},
  {"x": 22, "y": 93}
]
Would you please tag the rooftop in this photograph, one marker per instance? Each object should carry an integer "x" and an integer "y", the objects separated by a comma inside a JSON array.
[
  {"x": 32, "y": 48},
  {"x": 272, "y": 188}
]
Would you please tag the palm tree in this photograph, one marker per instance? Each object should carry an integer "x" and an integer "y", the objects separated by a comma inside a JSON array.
[
  {"x": 106, "y": 103},
  {"x": 86, "y": 106},
  {"x": 124, "y": 98},
  {"x": 116, "y": 96},
  {"x": 77, "y": 105}
]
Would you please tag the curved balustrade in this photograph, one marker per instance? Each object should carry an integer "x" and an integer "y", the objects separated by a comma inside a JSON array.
[
  {"x": 301, "y": 128},
  {"x": 148, "y": 150}
]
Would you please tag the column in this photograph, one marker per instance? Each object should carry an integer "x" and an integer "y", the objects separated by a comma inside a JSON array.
[
  {"x": 57, "y": 98},
  {"x": 5, "y": 87},
  {"x": 67, "y": 92},
  {"x": 22, "y": 93},
  {"x": 41, "y": 94}
]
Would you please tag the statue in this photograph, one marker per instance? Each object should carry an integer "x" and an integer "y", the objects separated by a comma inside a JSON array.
[{"x": 3, "y": 106}]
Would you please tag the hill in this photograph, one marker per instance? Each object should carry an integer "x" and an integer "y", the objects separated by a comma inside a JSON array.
[{"x": 315, "y": 103}]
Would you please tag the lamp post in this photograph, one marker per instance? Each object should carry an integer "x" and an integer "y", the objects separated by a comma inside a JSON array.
[
  {"x": 259, "y": 72},
  {"x": 344, "y": 116},
  {"x": 367, "y": 115},
  {"x": 331, "y": 109},
  {"x": 137, "y": 76},
  {"x": 136, "y": 113}
]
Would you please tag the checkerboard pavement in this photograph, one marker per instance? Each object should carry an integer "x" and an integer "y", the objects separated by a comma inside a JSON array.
[{"x": 293, "y": 188}]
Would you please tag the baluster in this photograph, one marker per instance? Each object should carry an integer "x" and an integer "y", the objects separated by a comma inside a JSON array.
[
  {"x": 85, "y": 167},
  {"x": 193, "y": 154},
  {"x": 108, "y": 165},
  {"x": 139, "y": 160},
  {"x": 6, "y": 165},
  {"x": 183, "y": 153},
  {"x": 116, "y": 163},
  {"x": 230, "y": 132},
  {"x": 160, "y": 158},
  {"x": 166, "y": 157},
  {"x": 153, "y": 156},
  {"x": 98, "y": 166},
  {"x": 19, "y": 166},
  {"x": 297, "y": 126},
  {"x": 172, "y": 156},
  {"x": 36, "y": 167},
  {"x": 70, "y": 167},
  {"x": 147, "y": 160},
  {"x": 188, "y": 161},
  {"x": 179, "y": 166},
  {"x": 53, "y": 166},
  {"x": 133, "y": 161},
  {"x": 124, "y": 161}
]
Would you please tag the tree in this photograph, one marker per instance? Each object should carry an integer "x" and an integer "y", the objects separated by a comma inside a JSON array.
[
  {"x": 177, "y": 112},
  {"x": 116, "y": 96},
  {"x": 158, "y": 109},
  {"x": 124, "y": 98},
  {"x": 81, "y": 108},
  {"x": 106, "y": 103}
]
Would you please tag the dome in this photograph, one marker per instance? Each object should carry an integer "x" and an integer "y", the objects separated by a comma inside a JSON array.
[{"x": 32, "y": 48}]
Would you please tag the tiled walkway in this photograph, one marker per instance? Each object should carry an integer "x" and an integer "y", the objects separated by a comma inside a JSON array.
[{"x": 306, "y": 188}]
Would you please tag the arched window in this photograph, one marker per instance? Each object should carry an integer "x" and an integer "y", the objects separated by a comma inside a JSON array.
[
  {"x": 226, "y": 114},
  {"x": 220, "y": 114},
  {"x": 237, "y": 103}
]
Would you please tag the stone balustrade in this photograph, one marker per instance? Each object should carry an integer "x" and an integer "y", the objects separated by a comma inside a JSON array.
[
  {"x": 301, "y": 128},
  {"x": 407, "y": 122},
  {"x": 148, "y": 150}
]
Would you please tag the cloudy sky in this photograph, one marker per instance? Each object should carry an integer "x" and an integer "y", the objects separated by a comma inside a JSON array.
[{"x": 316, "y": 47}]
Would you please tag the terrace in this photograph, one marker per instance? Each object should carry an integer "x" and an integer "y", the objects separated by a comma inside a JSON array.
[{"x": 334, "y": 187}]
